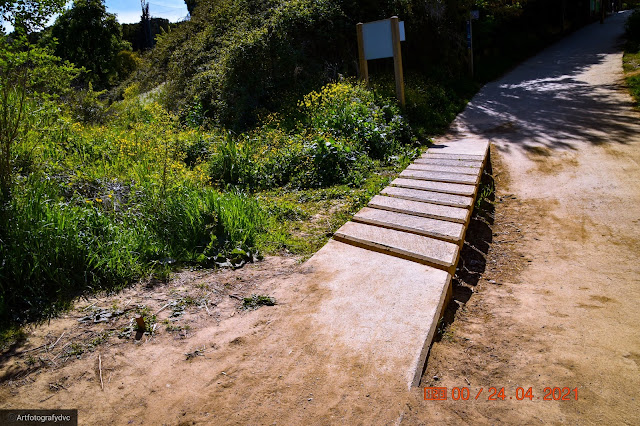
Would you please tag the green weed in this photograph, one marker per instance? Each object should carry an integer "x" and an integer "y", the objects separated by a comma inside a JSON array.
[
  {"x": 256, "y": 301},
  {"x": 485, "y": 192},
  {"x": 99, "y": 339},
  {"x": 176, "y": 328},
  {"x": 75, "y": 349},
  {"x": 148, "y": 317},
  {"x": 12, "y": 335}
]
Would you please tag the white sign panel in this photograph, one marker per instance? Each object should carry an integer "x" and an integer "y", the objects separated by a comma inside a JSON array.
[{"x": 377, "y": 39}]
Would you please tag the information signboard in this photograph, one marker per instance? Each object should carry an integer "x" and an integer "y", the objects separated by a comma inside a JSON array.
[
  {"x": 377, "y": 39},
  {"x": 381, "y": 39}
]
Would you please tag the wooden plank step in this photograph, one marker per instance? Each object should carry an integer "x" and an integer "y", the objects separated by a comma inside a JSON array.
[
  {"x": 432, "y": 154},
  {"x": 475, "y": 171},
  {"x": 448, "y": 188},
  {"x": 440, "y": 254},
  {"x": 440, "y": 176},
  {"x": 417, "y": 208},
  {"x": 448, "y": 162},
  {"x": 439, "y": 229},
  {"x": 470, "y": 146},
  {"x": 428, "y": 197}
]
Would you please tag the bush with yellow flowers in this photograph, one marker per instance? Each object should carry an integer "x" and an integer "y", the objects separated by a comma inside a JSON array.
[{"x": 334, "y": 136}]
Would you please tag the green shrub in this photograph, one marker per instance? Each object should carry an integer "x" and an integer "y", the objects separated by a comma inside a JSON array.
[
  {"x": 432, "y": 104},
  {"x": 632, "y": 29},
  {"x": 126, "y": 63},
  {"x": 350, "y": 111},
  {"x": 86, "y": 106},
  {"x": 234, "y": 162},
  {"x": 236, "y": 57},
  {"x": 52, "y": 248},
  {"x": 634, "y": 87},
  {"x": 332, "y": 138},
  {"x": 95, "y": 207}
]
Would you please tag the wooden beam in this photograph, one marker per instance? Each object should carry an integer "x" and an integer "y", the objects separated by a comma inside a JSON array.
[
  {"x": 397, "y": 59},
  {"x": 364, "y": 69}
]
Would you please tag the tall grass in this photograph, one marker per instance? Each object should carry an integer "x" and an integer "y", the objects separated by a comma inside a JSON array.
[
  {"x": 53, "y": 248},
  {"x": 97, "y": 206}
]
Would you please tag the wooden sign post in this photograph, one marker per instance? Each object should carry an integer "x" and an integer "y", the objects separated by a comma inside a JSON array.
[
  {"x": 397, "y": 59},
  {"x": 364, "y": 69},
  {"x": 381, "y": 39}
]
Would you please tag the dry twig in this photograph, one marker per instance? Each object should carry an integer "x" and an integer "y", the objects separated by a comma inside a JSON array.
[
  {"x": 100, "y": 368},
  {"x": 87, "y": 307},
  {"x": 163, "y": 308},
  {"x": 56, "y": 342}
]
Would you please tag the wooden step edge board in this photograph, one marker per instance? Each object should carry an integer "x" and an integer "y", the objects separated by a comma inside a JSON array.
[
  {"x": 445, "y": 298},
  {"x": 473, "y": 171},
  {"x": 440, "y": 176},
  {"x": 428, "y": 197},
  {"x": 447, "y": 188},
  {"x": 467, "y": 148},
  {"x": 480, "y": 160},
  {"x": 439, "y": 229},
  {"x": 429, "y": 251},
  {"x": 432, "y": 154},
  {"x": 418, "y": 208},
  {"x": 448, "y": 162}
]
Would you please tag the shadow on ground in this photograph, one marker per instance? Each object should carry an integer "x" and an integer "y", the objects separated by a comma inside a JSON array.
[
  {"x": 472, "y": 263},
  {"x": 558, "y": 99}
]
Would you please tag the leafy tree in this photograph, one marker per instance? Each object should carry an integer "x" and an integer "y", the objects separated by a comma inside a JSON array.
[
  {"x": 30, "y": 75},
  {"x": 134, "y": 34},
  {"x": 145, "y": 25},
  {"x": 29, "y": 15},
  {"x": 191, "y": 5},
  {"x": 91, "y": 38}
]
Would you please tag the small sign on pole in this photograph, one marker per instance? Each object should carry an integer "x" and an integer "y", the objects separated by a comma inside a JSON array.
[
  {"x": 381, "y": 39},
  {"x": 474, "y": 15},
  {"x": 470, "y": 43}
]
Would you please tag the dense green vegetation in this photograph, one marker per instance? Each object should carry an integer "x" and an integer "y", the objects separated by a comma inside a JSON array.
[
  {"x": 236, "y": 59},
  {"x": 98, "y": 206},
  {"x": 242, "y": 131},
  {"x": 88, "y": 36},
  {"x": 138, "y": 34},
  {"x": 631, "y": 59}
]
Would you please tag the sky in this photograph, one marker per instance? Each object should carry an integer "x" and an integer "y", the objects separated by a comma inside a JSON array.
[{"x": 129, "y": 11}]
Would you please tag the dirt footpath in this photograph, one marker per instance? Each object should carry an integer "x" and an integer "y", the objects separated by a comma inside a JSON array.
[
  {"x": 557, "y": 305},
  {"x": 547, "y": 296}
]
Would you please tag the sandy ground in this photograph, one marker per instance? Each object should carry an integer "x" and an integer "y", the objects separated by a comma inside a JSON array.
[{"x": 546, "y": 296}]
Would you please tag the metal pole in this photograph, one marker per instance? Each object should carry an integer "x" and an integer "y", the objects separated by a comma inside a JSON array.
[{"x": 470, "y": 45}]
